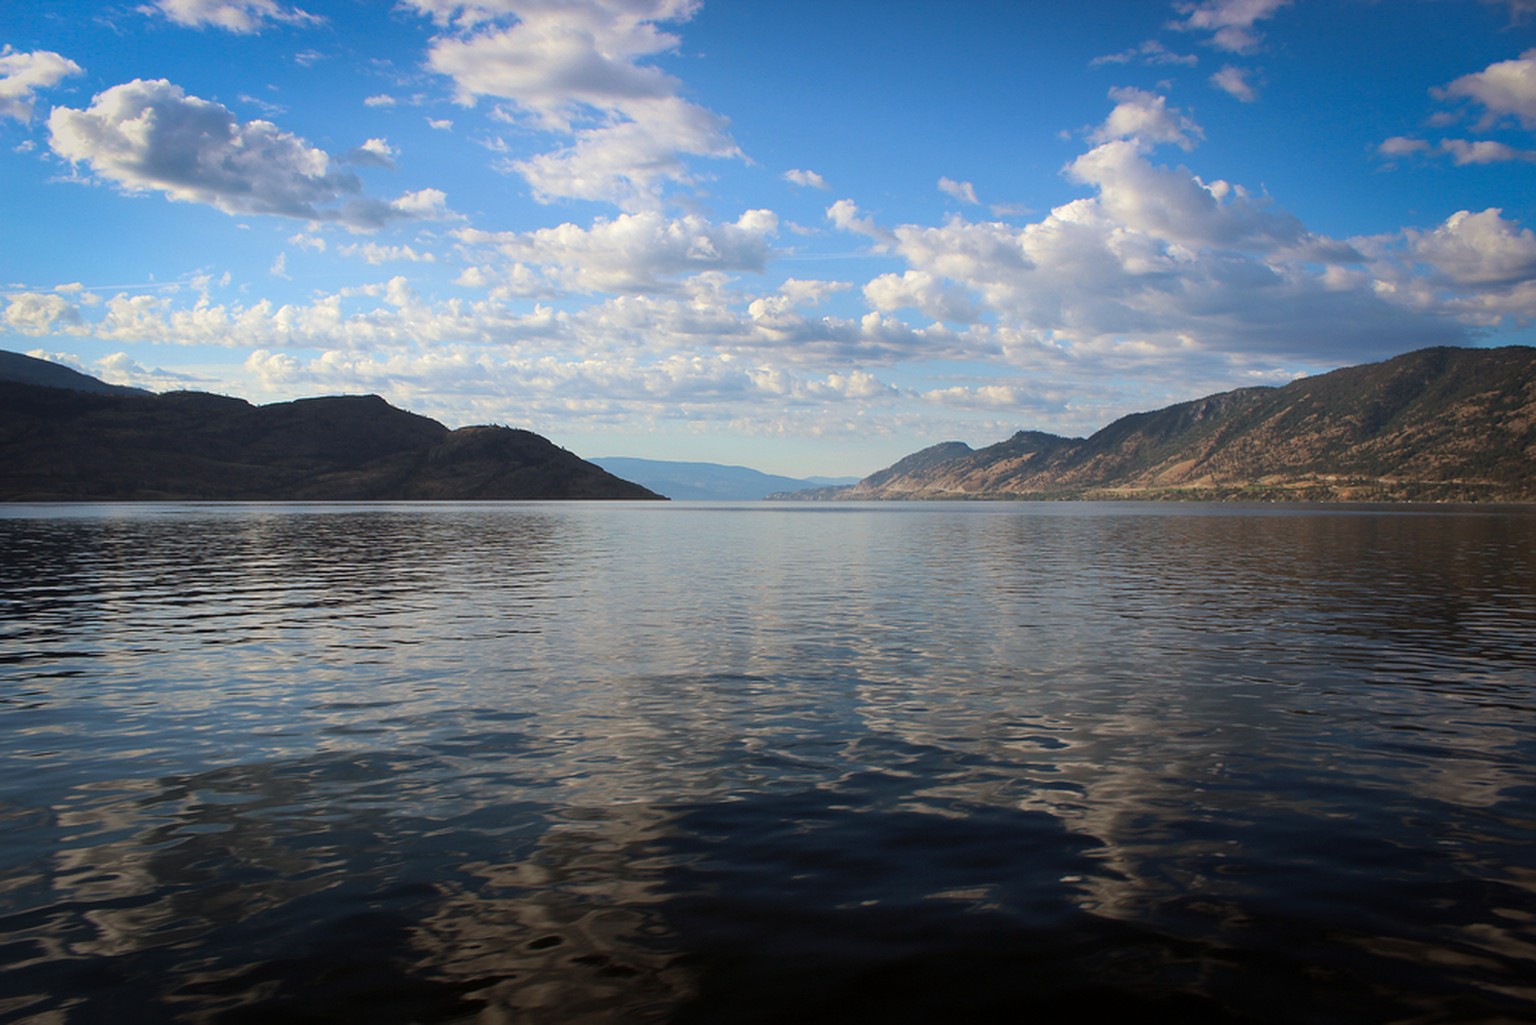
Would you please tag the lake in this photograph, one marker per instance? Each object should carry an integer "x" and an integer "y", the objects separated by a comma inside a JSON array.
[{"x": 700, "y": 763}]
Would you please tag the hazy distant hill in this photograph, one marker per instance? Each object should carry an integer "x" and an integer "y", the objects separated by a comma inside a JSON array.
[
  {"x": 71, "y": 443},
  {"x": 1435, "y": 425},
  {"x": 702, "y": 480}
]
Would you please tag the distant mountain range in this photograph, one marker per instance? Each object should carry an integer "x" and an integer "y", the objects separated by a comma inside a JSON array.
[
  {"x": 1439, "y": 424},
  {"x": 707, "y": 480},
  {"x": 66, "y": 436}
]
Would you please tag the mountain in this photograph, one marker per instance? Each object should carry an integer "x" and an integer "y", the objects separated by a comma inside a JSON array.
[
  {"x": 1439, "y": 424},
  {"x": 29, "y": 370},
  {"x": 702, "y": 480},
  {"x": 84, "y": 444}
]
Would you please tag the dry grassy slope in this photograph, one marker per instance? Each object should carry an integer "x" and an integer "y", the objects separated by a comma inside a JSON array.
[{"x": 1438, "y": 424}]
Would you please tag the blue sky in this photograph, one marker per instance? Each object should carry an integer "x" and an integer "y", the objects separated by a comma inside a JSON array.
[{"x": 809, "y": 238}]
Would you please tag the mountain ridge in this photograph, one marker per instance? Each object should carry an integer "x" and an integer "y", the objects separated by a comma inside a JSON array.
[
  {"x": 88, "y": 444},
  {"x": 1441, "y": 424},
  {"x": 701, "y": 480}
]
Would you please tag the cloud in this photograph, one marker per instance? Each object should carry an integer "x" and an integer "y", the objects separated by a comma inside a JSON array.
[
  {"x": 993, "y": 396},
  {"x": 963, "y": 192},
  {"x": 630, "y": 163},
  {"x": 809, "y": 179},
  {"x": 1150, "y": 52},
  {"x": 846, "y": 216},
  {"x": 422, "y": 205},
  {"x": 1146, "y": 118},
  {"x": 1234, "y": 82},
  {"x": 1461, "y": 151},
  {"x": 1231, "y": 22},
  {"x": 629, "y": 253},
  {"x": 374, "y": 153},
  {"x": 1155, "y": 283},
  {"x": 241, "y": 16},
  {"x": 151, "y": 136},
  {"x": 36, "y": 314},
  {"x": 1478, "y": 249},
  {"x": 377, "y": 254},
  {"x": 558, "y": 62},
  {"x": 576, "y": 70},
  {"x": 1505, "y": 90},
  {"x": 1158, "y": 265},
  {"x": 1172, "y": 205},
  {"x": 925, "y": 292},
  {"x": 1483, "y": 151},
  {"x": 1403, "y": 146},
  {"x": 380, "y": 100},
  {"x": 23, "y": 74}
]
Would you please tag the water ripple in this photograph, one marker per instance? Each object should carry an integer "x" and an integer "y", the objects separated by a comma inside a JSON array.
[{"x": 725, "y": 763}]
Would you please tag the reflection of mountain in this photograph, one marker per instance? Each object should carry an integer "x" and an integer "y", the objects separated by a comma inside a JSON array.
[
  {"x": 61, "y": 439},
  {"x": 705, "y": 480},
  {"x": 1434, "y": 425}
]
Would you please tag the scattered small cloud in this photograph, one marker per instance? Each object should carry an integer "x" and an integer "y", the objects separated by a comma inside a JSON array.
[
  {"x": 808, "y": 179},
  {"x": 374, "y": 253},
  {"x": 240, "y": 16},
  {"x": 963, "y": 192},
  {"x": 1150, "y": 52},
  {"x": 1230, "y": 22},
  {"x": 1483, "y": 151},
  {"x": 1461, "y": 151},
  {"x": 381, "y": 100},
  {"x": 373, "y": 153},
  {"x": 1403, "y": 146},
  {"x": 1234, "y": 82},
  {"x": 267, "y": 107}
]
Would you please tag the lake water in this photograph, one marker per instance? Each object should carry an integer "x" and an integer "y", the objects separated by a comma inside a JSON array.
[{"x": 557, "y": 763}]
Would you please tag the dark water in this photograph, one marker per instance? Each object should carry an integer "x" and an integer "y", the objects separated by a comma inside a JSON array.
[{"x": 895, "y": 763}]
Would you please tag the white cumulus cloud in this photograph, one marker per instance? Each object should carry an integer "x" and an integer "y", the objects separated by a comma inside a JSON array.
[
  {"x": 1147, "y": 119},
  {"x": 1478, "y": 249},
  {"x": 152, "y": 136},
  {"x": 23, "y": 74},
  {"x": 1505, "y": 90},
  {"x": 576, "y": 69},
  {"x": 632, "y": 252}
]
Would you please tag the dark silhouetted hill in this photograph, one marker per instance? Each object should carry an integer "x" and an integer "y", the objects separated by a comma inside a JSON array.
[{"x": 73, "y": 443}]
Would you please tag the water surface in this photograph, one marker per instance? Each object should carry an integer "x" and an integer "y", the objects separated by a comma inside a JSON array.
[{"x": 757, "y": 763}]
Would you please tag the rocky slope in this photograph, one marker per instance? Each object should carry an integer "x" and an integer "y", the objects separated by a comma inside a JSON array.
[
  {"x": 65, "y": 444},
  {"x": 1439, "y": 424}
]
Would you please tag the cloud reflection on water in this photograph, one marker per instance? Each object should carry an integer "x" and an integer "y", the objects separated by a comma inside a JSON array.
[{"x": 559, "y": 759}]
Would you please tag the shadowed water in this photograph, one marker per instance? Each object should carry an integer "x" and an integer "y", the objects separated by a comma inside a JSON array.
[{"x": 760, "y": 763}]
